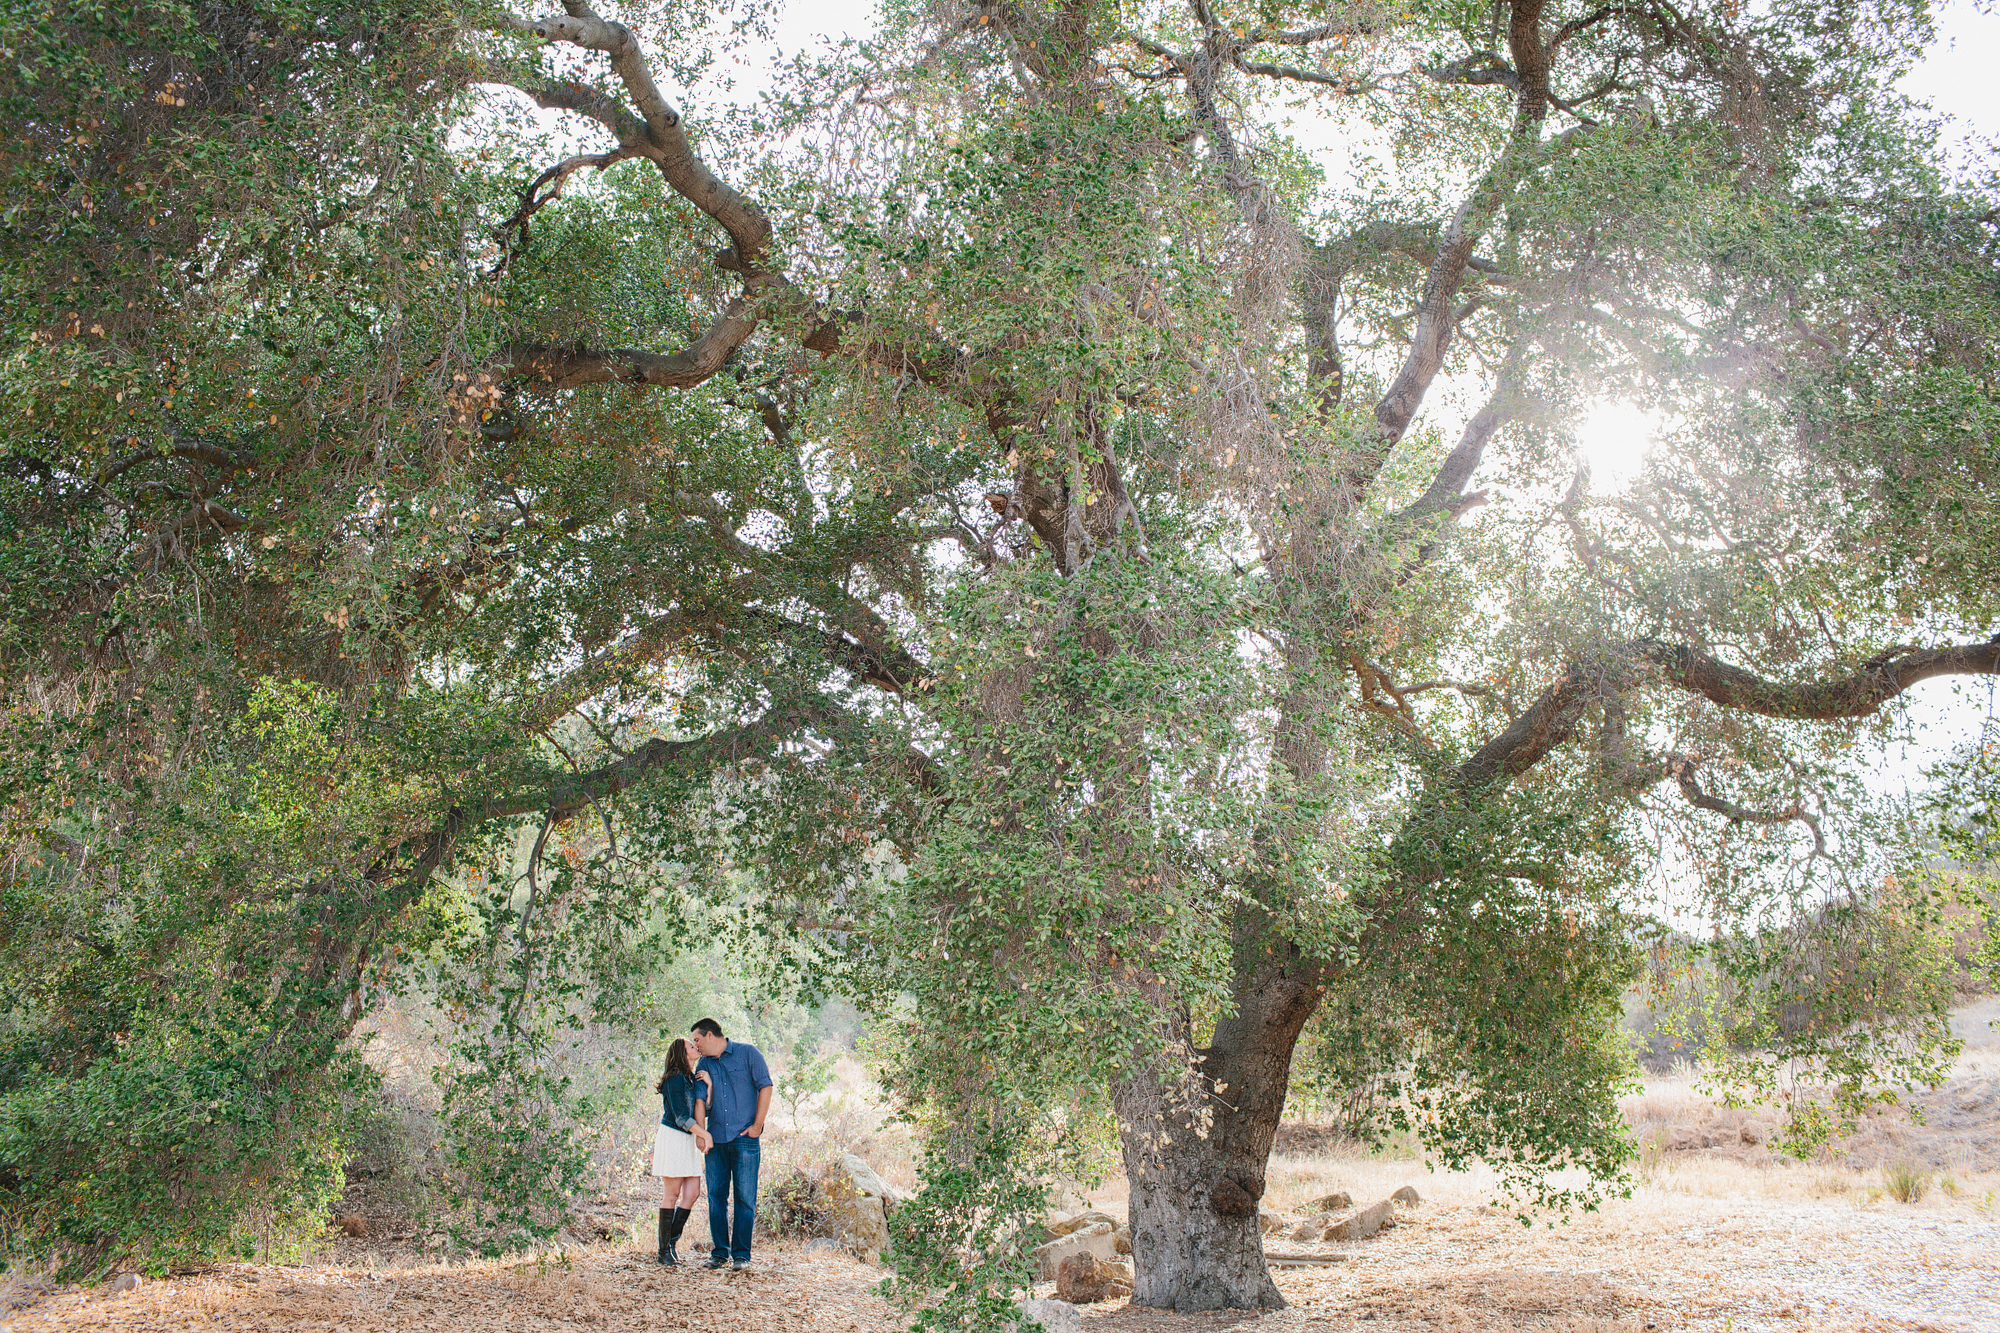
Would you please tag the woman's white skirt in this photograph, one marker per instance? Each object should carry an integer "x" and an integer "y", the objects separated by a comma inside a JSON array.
[{"x": 674, "y": 1153}]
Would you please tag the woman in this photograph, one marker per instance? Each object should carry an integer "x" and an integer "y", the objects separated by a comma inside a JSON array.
[{"x": 679, "y": 1144}]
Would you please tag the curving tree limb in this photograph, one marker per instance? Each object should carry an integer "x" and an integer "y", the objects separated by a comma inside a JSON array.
[
  {"x": 657, "y": 134},
  {"x": 1854, "y": 695}
]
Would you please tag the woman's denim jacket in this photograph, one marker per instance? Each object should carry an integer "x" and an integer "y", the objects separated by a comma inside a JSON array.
[{"x": 677, "y": 1095}]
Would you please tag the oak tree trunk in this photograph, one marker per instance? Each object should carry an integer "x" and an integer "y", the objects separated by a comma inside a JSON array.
[{"x": 1195, "y": 1149}]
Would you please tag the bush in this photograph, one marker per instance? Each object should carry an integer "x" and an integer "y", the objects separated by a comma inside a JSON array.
[
  {"x": 93, "y": 1164},
  {"x": 1905, "y": 1181},
  {"x": 795, "y": 1204}
]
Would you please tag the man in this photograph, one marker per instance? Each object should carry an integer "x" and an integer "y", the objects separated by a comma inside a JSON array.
[{"x": 741, "y": 1100}]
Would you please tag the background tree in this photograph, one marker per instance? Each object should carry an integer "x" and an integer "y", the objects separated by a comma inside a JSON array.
[{"x": 1020, "y": 549}]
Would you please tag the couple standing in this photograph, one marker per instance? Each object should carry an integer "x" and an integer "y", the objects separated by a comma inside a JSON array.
[{"x": 712, "y": 1124}]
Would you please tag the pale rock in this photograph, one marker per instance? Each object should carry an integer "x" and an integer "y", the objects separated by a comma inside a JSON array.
[
  {"x": 868, "y": 1183},
  {"x": 1268, "y": 1222},
  {"x": 1337, "y": 1202},
  {"x": 1084, "y": 1279},
  {"x": 1407, "y": 1197},
  {"x": 1053, "y": 1316},
  {"x": 1362, "y": 1225},
  {"x": 858, "y": 1203},
  {"x": 1048, "y": 1258},
  {"x": 1121, "y": 1241},
  {"x": 127, "y": 1282},
  {"x": 1089, "y": 1217},
  {"x": 859, "y": 1223}
]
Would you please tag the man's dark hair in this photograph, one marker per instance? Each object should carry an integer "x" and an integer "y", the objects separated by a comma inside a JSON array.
[{"x": 708, "y": 1025}]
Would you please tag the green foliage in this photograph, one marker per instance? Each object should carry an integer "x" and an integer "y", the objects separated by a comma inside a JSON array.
[
  {"x": 962, "y": 1241},
  {"x": 175, "y": 1012},
  {"x": 1839, "y": 1010},
  {"x": 1489, "y": 1028},
  {"x": 1965, "y": 802},
  {"x": 188, "y": 1145}
]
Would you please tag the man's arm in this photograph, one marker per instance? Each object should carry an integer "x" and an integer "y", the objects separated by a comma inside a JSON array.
[{"x": 760, "y": 1075}]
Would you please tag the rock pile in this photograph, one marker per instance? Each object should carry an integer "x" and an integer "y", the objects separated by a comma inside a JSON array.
[
  {"x": 1082, "y": 1257},
  {"x": 1089, "y": 1232},
  {"x": 1335, "y": 1219},
  {"x": 1083, "y": 1253}
]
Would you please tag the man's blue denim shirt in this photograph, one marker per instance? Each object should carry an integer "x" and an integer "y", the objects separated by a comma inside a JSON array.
[{"x": 738, "y": 1073}]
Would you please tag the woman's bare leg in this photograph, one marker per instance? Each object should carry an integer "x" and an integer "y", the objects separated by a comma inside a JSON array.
[{"x": 690, "y": 1191}]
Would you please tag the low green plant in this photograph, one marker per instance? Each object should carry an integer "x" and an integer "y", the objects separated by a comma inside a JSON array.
[
  {"x": 245, "y": 1166},
  {"x": 1905, "y": 1181},
  {"x": 1652, "y": 1156},
  {"x": 808, "y": 1073}
]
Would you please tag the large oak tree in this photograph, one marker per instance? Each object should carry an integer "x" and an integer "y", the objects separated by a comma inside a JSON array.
[{"x": 995, "y": 499}]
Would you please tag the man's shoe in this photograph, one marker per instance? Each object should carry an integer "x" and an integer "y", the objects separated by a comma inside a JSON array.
[
  {"x": 715, "y": 1261},
  {"x": 741, "y": 1265}
]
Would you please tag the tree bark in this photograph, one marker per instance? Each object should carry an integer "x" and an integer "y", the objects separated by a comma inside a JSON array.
[{"x": 1197, "y": 1139}]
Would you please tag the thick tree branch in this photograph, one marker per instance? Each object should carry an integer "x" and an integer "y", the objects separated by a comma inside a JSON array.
[
  {"x": 659, "y": 136},
  {"x": 1446, "y": 493},
  {"x": 1552, "y": 718},
  {"x": 1479, "y": 69},
  {"x": 1548, "y": 722},
  {"x": 1851, "y": 696}
]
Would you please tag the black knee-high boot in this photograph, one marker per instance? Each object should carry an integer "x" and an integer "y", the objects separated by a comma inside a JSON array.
[{"x": 672, "y": 1222}]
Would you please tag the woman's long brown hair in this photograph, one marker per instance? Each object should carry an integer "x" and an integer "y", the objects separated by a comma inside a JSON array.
[{"x": 677, "y": 1063}]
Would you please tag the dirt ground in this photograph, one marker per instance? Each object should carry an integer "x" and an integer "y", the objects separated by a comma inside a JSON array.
[
  {"x": 1708, "y": 1245},
  {"x": 1719, "y": 1235}
]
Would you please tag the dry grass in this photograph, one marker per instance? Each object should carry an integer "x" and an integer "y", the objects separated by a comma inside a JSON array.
[{"x": 1711, "y": 1242}]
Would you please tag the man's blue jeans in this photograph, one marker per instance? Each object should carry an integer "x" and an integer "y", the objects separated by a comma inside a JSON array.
[{"x": 732, "y": 1170}]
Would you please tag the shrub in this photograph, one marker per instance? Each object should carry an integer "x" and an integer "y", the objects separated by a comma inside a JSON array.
[
  {"x": 795, "y": 1204},
  {"x": 1652, "y": 1156},
  {"x": 93, "y": 1164},
  {"x": 1905, "y": 1181}
]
